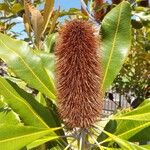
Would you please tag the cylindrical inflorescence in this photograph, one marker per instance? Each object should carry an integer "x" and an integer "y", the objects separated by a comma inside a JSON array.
[{"x": 78, "y": 74}]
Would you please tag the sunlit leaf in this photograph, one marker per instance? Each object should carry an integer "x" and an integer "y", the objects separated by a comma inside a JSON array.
[
  {"x": 26, "y": 65},
  {"x": 29, "y": 110},
  {"x": 7, "y": 115},
  {"x": 17, "y": 137},
  {"x": 116, "y": 40},
  {"x": 129, "y": 126}
]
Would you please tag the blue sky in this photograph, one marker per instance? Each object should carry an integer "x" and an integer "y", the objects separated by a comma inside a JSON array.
[{"x": 64, "y": 4}]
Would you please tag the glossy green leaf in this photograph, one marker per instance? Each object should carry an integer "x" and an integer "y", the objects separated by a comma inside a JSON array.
[
  {"x": 49, "y": 42},
  {"x": 141, "y": 113},
  {"x": 26, "y": 65},
  {"x": 146, "y": 146},
  {"x": 135, "y": 147},
  {"x": 41, "y": 141},
  {"x": 16, "y": 137},
  {"x": 7, "y": 115},
  {"x": 129, "y": 126},
  {"x": 116, "y": 40},
  {"x": 134, "y": 122},
  {"x": 40, "y": 98},
  {"x": 48, "y": 61},
  {"x": 29, "y": 110},
  {"x": 32, "y": 112},
  {"x": 123, "y": 143}
]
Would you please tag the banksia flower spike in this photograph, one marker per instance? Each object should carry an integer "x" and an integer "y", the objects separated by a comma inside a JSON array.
[{"x": 78, "y": 74}]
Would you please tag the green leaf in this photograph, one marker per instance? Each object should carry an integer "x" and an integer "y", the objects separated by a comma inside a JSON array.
[
  {"x": 72, "y": 11},
  {"x": 146, "y": 146},
  {"x": 40, "y": 98},
  {"x": 140, "y": 114},
  {"x": 7, "y": 115},
  {"x": 26, "y": 65},
  {"x": 4, "y": 7},
  {"x": 32, "y": 112},
  {"x": 49, "y": 42},
  {"x": 123, "y": 143},
  {"x": 129, "y": 125},
  {"x": 54, "y": 20},
  {"x": 134, "y": 122},
  {"x": 28, "y": 109},
  {"x": 116, "y": 40},
  {"x": 16, "y": 8},
  {"x": 16, "y": 137},
  {"x": 41, "y": 141},
  {"x": 135, "y": 147},
  {"x": 48, "y": 61}
]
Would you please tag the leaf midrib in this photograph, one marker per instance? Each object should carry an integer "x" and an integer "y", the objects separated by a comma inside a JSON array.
[
  {"x": 28, "y": 106},
  {"x": 134, "y": 129},
  {"x": 29, "y": 68},
  {"x": 19, "y": 137},
  {"x": 116, "y": 138},
  {"x": 113, "y": 46},
  {"x": 113, "y": 136},
  {"x": 130, "y": 117}
]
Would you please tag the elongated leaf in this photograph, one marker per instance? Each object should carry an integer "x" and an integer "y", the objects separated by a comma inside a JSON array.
[
  {"x": 48, "y": 61},
  {"x": 40, "y": 98},
  {"x": 142, "y": 147},
  {"x": 7, "y": 115},
  {"x": 41, "y": 141},
  {"x": 31, "y": 113},
  {"x": 37, "y": 22},
  {"x": 48, "y": 10},
  {"x": 49, "y": 42},
  {"x": 134, "y": 122},
  {"x": 146, "y": 146},
  {"x": 72, "y": 11},
  {"x": 116, "y": 40},
  {"x": 23, "y": 107},
  {"x": 16, "y": 137},
  {"x": 26, "y": 65},
  {"x": 140, "y": 114},
  {"x": 141, "y": 136},
  {"x": 131, "y": 127},
  {"x": 123, "y": 143},
  {"x": 54, "y": 20},
  {"x": 35, "y": 19}
]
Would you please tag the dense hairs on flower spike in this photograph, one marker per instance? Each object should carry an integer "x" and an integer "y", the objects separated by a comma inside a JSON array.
[{"x": 78, "y": 74}]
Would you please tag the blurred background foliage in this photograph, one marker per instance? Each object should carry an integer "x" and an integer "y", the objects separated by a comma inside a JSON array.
[{"x": 27, "y": 21}]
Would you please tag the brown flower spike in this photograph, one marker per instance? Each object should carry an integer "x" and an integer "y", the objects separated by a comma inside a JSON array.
[{"x": 78, "y": 74}]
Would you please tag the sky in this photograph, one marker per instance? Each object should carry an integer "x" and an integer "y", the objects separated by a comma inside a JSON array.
[{"x": 64, "y": 4}]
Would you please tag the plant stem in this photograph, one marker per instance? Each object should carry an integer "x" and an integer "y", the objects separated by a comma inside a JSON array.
[{"x": 82, "y": 140}]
